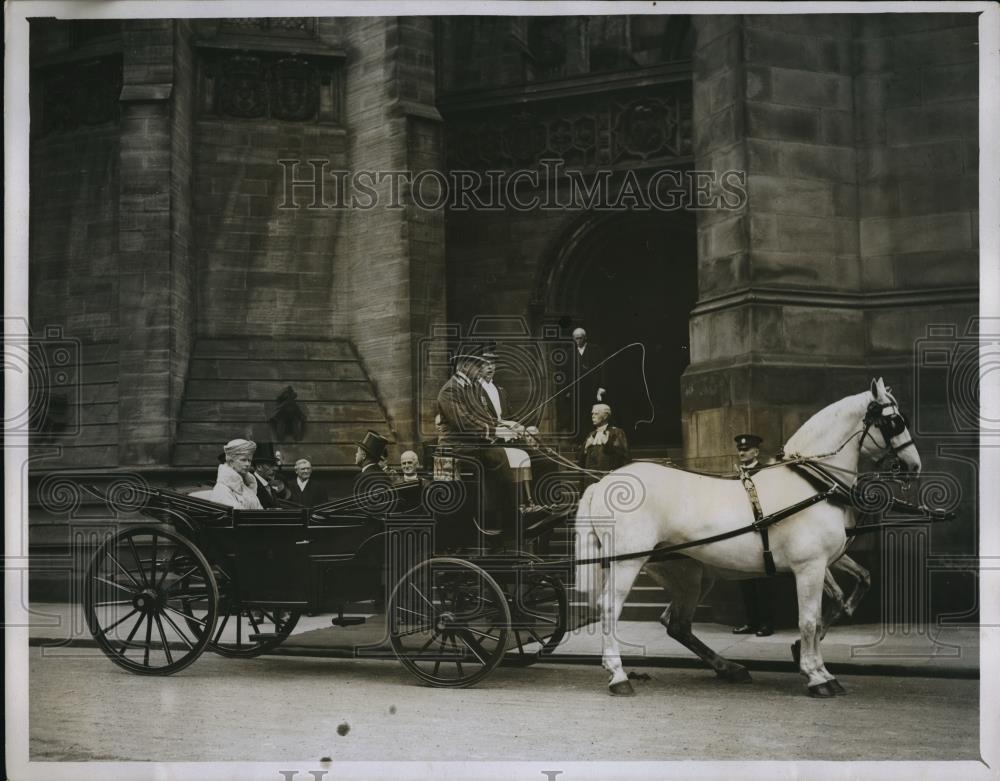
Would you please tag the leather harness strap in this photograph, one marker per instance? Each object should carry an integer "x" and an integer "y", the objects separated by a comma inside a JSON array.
[{"x": 758, "y": 516}]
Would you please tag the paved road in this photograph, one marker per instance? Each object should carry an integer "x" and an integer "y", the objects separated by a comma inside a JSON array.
[{"x": 279, "y": 708}]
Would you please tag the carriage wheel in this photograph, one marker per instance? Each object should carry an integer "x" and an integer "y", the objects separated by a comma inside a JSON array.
[
  {"x": 538, "y": 608},
  {"x": 244, "y": 631},
  {"x": 136, "y": 589},
  {"x": 448, "y": 622}
]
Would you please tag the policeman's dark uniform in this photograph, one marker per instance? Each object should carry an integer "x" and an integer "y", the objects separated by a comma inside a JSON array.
[{"x": 757, "y": 593}]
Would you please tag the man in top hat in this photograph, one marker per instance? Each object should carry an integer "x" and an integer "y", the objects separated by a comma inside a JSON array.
[
  {"x": 305, "y": 489},
  {"x": 234, "y": 485},
  {"x": 372, "y": 486},
  {"x": 757, "y": 593},
  {"x": 471, "y": 426},
  {"x": 270, "y": 489}
]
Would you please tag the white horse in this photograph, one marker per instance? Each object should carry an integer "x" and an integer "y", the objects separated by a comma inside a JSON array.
[{"x": 644, "y": 505}]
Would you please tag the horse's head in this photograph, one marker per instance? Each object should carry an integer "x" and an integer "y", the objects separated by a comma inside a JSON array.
[{"x": 885, "y": 433}]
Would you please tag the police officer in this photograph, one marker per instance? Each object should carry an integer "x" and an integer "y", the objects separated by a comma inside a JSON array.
[{"x": 758, "y": 593}]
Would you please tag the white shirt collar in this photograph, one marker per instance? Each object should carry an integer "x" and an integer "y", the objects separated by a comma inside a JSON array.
[{"x": 302, "y": 483}]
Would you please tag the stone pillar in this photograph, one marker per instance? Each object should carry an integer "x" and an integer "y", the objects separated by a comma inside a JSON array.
[
  {"x": 393, "y": 260},
  {"x": 773, "y": 99},
  {"x": 154, "y": 282}
]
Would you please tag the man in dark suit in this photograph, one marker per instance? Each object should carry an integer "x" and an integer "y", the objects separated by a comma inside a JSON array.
[
  {"x": 305, "y": 490},
  {"x": 757, "y": 593},
  {"x": 589, "y": 385},
  {"x": 270, "y": 490},
  {"x": 469, "y": 428}
]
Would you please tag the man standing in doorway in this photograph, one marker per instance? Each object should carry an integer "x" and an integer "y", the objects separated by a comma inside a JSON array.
[{"x": 589, "y": 385}]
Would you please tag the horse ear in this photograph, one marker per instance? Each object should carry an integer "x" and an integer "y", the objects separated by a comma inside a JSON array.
[{"x": 874, "y": 389}]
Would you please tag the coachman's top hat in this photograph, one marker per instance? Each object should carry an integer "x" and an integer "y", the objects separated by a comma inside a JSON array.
[
  {"x": 744, "y": 441},
  {"x": 374, "y": 445}
]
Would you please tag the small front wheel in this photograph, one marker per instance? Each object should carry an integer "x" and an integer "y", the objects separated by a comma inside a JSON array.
[
  {"x": 448, "y": 622},
  {"x": 138, "y": 594}
]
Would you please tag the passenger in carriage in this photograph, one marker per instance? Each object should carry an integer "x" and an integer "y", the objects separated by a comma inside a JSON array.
[
  {"x": 305, "y": 489},
  {"x": 234, "y": 485},
  {"x": 606, "y": 448},
  {"x": 370, "y": 453},
  {"x": 757, "y": 593},
  {"x": 270, "y": 489},
  {"x": 409, "y": 466}
]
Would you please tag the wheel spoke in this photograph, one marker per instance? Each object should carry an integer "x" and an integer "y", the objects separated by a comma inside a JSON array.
[
  {"x": 253, "y": 623},
  {"x": 116, "y": 602},
  {"x": 185, "y": 617},
  {"x": 177, "y": 629},
  {"x": 107, "y": 629},
  {"x": 138, "y": 623},
  {"x": 124, "y": 571},
  {"x": 471, "y": 644},
  {"x": 138, "y": 561},
  {"x": 415, "y": 630},
  {"x": 166, "y": 567},
  {"x": 112, "y": 583},
  {"x": 153, "y": 563},
  {"x": 421, "y": 595},
  {"x": 239, "y": 628},
  {"x": 163, "y": 639},
  {"x": 182, "y": 578},
  {"x": 534, "y": 634},
  {"x": 149, "y": 634}
]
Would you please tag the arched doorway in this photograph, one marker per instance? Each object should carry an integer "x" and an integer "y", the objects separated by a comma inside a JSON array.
[{"x": 632, "y": 278}]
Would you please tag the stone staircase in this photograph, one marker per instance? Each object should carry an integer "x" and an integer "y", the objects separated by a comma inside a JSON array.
[{"x": 233, "y": 385}]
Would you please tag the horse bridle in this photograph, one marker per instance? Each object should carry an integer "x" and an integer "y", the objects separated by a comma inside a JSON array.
[{"x": 888, "y": 426}]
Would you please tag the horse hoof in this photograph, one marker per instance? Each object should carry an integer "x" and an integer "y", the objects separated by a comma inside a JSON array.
[
  {"x": 735, "y": 674},
  {"x": 835, "y": 686},
  {"x": 621, "y": 689},
  {"x": 822, "y": 690},
  {"x": 797, "y": 651}
]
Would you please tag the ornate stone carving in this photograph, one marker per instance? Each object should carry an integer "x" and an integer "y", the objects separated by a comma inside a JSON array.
[
  {"x": 620, "y": 130},
  {"x": 242, "y": 88},
  {"x": 304, "y": 26},
  {"x": 257, "y": 85}
]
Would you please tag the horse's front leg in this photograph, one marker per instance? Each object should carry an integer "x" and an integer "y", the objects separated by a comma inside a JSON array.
[
  {"x": 618, "y": 582},
  {"x": 809, "y": 588}
]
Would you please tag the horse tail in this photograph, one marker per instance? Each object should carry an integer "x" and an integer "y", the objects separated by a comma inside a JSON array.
[{"x": 589, "y": 579}]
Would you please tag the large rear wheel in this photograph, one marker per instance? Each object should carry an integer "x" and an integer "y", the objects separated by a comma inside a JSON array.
[
  {"x": 448, "y": 622},
  {"x": 137, "y": 595}
]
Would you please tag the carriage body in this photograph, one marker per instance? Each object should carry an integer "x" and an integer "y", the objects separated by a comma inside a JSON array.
[{"x": 237, "y": 581}]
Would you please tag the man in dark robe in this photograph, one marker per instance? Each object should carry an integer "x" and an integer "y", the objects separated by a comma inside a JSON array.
[{"x": 606, "y": 447}]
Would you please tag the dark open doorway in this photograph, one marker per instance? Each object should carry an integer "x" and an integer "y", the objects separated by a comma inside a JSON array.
[{"x": 632, "y": 278}]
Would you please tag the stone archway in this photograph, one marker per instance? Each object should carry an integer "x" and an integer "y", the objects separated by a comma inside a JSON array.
[{"x": 631, "y": 278}]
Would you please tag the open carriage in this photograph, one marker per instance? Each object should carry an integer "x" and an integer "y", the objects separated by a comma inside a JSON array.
[{"x": 457, "y": 598}]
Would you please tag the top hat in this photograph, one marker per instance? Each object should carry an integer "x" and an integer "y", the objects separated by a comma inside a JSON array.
[
  {"x": 265, "y": 454},
  {"x": 744, "y": 441},
  {"x": 374, "y": 445}
]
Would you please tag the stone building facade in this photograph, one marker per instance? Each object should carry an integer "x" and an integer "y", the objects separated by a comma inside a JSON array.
[{"x": 166, "y": 238}]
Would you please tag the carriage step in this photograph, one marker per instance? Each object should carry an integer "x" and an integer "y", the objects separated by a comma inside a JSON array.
[{"x": 348, "y": 620}]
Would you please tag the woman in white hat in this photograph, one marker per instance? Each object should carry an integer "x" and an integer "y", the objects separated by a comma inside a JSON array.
[{"x": 234, "y": 485}]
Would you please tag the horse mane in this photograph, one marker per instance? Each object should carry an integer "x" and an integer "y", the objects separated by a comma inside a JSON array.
[{"x": 815, "y": 431}]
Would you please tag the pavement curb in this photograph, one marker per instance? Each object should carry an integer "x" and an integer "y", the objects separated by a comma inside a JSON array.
[{"x": 758, "y": 665}]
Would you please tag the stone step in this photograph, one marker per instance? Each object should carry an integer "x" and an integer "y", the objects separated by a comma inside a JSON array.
[
  {"x": 318, "y": 432},
  {"x": 286, "y": 370},
  {"x": 315, "y": 411},
  {"x": 289, "y": 349},
  {"x": 268, "y": 390}
]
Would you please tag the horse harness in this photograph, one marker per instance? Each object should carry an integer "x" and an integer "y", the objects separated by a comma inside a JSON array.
[{"x": 758, "y": 516}]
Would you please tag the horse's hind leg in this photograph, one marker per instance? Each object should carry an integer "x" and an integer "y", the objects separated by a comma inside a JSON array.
[
  {"x": 618, "y": 582},
  {"x": 685, "y": 582},
  {"x": 864, "y": 581}
]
